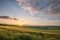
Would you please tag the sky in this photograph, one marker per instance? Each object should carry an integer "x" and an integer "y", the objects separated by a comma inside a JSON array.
[{"x": 30, "y": 12}]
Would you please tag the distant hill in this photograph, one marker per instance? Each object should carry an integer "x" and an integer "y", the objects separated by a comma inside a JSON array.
[{"x": 8, "y": 25}]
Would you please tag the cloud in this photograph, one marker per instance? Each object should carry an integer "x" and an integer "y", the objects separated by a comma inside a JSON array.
[
  {"x": 7, "y": 17},
  {"x": 15, "y": 19},
  {"x": 54, "y": 7},
  {"x": 37, "y": 18},
  {"x": 29, "y": 5},
  {"x": 50, "y": 7}
]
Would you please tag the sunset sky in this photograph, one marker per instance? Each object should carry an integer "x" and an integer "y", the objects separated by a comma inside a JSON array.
[{"x": 30, "y": 12}]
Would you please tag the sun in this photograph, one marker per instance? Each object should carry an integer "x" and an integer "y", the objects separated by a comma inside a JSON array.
[{"x": 20, "y": 24}]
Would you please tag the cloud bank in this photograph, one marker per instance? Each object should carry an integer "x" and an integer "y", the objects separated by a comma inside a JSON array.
[
  {"x": 50, "y": 7},
  {"x": 7, "y": 17}
]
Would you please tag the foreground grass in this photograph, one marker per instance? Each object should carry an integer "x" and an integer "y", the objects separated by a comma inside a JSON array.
[{"x": 19, "y": 33}]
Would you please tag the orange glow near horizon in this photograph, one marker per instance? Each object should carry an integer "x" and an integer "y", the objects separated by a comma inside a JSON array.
[
  {"x": 24, "y": 22},
  {"x": 13, "y": 22}
]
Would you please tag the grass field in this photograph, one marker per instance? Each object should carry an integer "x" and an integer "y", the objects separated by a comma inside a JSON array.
[{"x": 12, "y": 32}]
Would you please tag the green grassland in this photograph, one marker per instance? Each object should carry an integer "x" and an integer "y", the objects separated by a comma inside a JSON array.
[{"x": 15, "y": 32}]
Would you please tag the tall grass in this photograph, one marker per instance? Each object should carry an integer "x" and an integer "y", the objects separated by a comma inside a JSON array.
[
  {"x": 11, "y": 35},
  {"x": 17, "y": 33}
]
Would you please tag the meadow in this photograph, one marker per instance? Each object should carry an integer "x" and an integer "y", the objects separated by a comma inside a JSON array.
[{"x": 15, "y": 32}]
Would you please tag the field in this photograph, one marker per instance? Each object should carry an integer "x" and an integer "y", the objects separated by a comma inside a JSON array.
[{"x": 14, "y": 32}]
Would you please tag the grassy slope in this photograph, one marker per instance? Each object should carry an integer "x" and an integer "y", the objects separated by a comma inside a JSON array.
[
  {"x": 21, "y": 29},
  {"x": 29, "y": 32}
]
